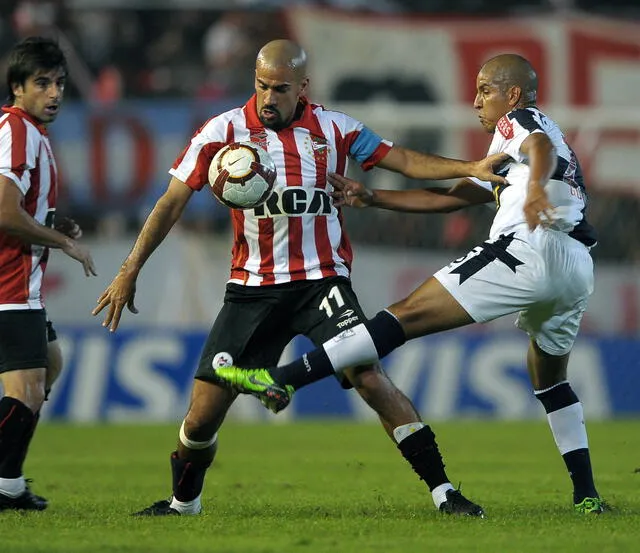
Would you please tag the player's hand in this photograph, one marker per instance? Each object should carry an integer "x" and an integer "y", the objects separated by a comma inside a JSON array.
[
  {"x": 68, "y": 227},
  {"x": 121, "y": 292},
  {"x": 486, "y": 168},
  {"x": 537, "y": 209},
  {"x": 349, "y": 192},
  {"x": 80, "y": 253}
]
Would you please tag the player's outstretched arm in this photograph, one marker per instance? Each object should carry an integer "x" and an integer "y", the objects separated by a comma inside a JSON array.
[
  {"x": 417, "y": 165},
  {"x": 122, "y": 289},
  {"x": 428, "y": 200}
]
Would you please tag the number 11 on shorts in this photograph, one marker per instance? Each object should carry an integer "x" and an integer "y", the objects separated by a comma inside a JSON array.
[{"x": 325, "y": 304}]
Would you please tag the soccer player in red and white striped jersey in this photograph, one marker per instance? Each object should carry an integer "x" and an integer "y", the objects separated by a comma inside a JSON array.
[
  {"x": 36, "y": 78},
  {"x": 291, "y": 261}
]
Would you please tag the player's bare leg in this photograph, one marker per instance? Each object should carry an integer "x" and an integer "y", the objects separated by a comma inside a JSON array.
[
  {"x": 415, "y": 439},
  {"x": 54, "y": 354},
  {"x": 430, "y": 308},
  {"x": 196, "y": 449},
  {"x": 374, "y": 386},
  {"x": 23, "y": 397},
  {"x": 548, "y": 375}
]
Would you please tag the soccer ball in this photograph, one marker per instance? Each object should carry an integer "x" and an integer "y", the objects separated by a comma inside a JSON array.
[{"x": 241, "y": 175}]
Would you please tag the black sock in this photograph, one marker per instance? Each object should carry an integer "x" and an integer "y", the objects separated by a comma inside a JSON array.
[
  {"x": 578, "y": 460},
  {"x": 421, "y": 450},
  {"x": 385, "y": 331},
  {"x": 16, "y": 429},
  {"x": 28, "y": 437},
  {"x": 188, "y": 477},
  {"x": 309, "y": 368}
]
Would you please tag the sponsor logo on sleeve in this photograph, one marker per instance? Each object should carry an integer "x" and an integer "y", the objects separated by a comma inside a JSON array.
[{"x": 505, "y": 127}]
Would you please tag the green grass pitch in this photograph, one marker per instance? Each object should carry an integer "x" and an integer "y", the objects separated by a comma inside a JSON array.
[{"x": 319, "y": 487}]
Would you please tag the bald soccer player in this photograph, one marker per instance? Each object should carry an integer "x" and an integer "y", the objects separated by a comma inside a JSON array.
[
  {"x": 536, "y": 263},
  {"x": 290, "y": 268}
]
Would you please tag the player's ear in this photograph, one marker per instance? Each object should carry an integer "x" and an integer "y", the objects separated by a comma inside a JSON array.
[
  {"x": 514, "y": 95},
  {"x": 304, "y": 86}
]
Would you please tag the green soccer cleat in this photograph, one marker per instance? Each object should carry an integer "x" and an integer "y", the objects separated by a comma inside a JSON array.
[
  {"x": 593, "y": 505},
  {"x": 258, "y": 383}
]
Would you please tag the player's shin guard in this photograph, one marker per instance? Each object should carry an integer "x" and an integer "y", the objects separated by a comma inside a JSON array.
[
  {"x": 421, "y": 450},
  {"x": 16, "y": 429},
  {"x": 28, "y": 437},
  {"x": 188, "y": 473},
  {"x": 566, "y": 419},
  {"x": 361, "y": 345},
  {"x": 188, "y": 477}
]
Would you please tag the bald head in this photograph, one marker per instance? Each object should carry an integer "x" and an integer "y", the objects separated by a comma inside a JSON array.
[
  {"x": 279, "y": 54},
  {"x": 507, "y": 70}
]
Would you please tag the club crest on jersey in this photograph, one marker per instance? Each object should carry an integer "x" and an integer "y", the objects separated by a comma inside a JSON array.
[
  {"x": 222, "y": 359},
  {"x": 317, "y": 146},
  {"x": 505, "y": 127},
  {"x": 259, "y": 137}
]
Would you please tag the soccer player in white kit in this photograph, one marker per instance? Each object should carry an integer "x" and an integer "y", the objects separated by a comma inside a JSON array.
[{"x": 536, "y": 263}]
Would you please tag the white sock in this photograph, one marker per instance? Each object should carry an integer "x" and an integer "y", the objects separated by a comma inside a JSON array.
[
  {"x": 12, "y": 487},
  {"x": 404, "y": 431},
  {"x": 192, "y": 507},
  {"x": 568, "y": 429},
  {"x": 351, "y": 348},
  {"x": 439, "y": 494}
]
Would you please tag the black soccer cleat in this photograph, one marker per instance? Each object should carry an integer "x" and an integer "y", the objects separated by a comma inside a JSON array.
[
  {"x": 26, "y": 501},
  {"x": 36, "y": 497},
  {"x": 458, "y": 504},
  {"x": 158, "y": 509}
]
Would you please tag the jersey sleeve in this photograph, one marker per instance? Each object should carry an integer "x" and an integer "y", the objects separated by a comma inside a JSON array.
[
  {"x": 513, "y": 129},
  {"x": 364, "y": 146},
  {"x": 192, "y": 165},
  {"x": 18, "y": 152}
]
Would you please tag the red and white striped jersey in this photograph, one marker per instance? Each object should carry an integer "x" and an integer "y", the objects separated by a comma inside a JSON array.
[
  {"x": 26, "y": 158},
  {"x": 298, "y": 233}
]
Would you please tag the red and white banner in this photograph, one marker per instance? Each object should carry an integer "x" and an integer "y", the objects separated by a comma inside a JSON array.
[{"x": 588, "y": 68}]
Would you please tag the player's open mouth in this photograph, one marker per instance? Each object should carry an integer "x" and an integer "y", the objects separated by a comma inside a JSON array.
[
  {"x": 269, "y": 113},
  {"x": 51, "y": 109}
]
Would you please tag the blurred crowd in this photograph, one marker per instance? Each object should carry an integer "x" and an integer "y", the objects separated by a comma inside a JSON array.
[{"x": 206, "y": 54}]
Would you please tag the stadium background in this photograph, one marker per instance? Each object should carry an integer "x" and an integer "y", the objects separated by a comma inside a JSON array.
[{"x": 146, "y": 74}]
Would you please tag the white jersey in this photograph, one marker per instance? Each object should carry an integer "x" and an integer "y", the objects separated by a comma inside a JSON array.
[{"x": 565, "y": 189}]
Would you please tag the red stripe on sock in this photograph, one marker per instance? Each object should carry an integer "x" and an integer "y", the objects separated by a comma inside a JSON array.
[
  {"x": 184, "y": 472},
  {"x": 8, "y": 416}
]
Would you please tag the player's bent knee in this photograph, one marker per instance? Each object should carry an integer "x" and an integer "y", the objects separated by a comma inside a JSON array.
[
  {"x": 27, "y": 386},
  {"x": 200, "y": 438},
  {"x": 366, "y": 377}
]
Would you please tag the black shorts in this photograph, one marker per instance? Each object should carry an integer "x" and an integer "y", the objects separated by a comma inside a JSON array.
[
  {"x": 23, "y": 340},
  {"x": 256, "y": 323}
]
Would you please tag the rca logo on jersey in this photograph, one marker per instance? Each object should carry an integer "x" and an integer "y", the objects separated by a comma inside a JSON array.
[
  {"x": 293, "y": 201},
  {"x": 505, "y": 127}
]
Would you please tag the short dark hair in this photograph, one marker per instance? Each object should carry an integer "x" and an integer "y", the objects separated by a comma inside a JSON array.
[{"x": 31, "y": 56}]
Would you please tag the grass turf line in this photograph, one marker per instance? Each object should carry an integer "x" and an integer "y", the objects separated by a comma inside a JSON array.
[{"x": 321, "y": 487}]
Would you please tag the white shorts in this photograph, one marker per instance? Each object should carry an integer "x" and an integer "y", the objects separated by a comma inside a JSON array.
[{"x": 547, "y": 278}]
